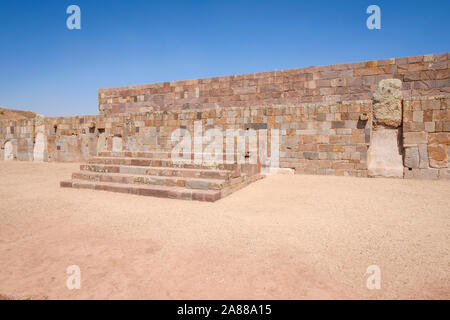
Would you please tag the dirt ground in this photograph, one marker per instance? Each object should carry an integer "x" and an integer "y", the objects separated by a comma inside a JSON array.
[{"x": 284, "y": 237}]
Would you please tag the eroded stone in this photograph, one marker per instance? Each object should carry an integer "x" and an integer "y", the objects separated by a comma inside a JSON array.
[{"x": 387, "y": 108}]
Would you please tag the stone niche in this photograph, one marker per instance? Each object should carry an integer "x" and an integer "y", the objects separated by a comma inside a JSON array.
[{"x": 385, "y": 157}]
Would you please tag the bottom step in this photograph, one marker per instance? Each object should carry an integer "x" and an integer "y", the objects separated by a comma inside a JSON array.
[{"x": 147, "y": 190}]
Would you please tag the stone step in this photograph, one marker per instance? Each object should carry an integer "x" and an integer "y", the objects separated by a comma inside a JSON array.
[
  {"x": 189, "y": 183},
  {"x": 239, "y": 183},
  {"x": 160, "y": 155},
  {"x": 161, "y": 171},
  {"x": 150, "y": 162},
  {"x": 135, "y": 154},
  {"x": 146, "y": 190}
]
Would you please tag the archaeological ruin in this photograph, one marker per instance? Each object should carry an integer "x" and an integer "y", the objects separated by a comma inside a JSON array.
[{"x": 383, "y": 118}]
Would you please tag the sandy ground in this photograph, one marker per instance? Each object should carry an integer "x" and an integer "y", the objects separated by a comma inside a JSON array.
[{"x": 284, "y": 237}]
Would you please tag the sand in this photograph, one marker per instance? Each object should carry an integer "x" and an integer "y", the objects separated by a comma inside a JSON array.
[{"x": 284, "y": 237}]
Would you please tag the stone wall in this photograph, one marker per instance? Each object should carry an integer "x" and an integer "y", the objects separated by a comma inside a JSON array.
[
  {"x": 322, "y": 138},
  {"x": 17, "y": 137},
  {"x": 427, "y": 75},
  {"x": 315, "y": 138},
  {"x": 426, "y": 137}
]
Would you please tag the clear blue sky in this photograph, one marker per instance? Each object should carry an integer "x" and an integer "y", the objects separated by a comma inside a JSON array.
[{"x": 46, "y": 68}]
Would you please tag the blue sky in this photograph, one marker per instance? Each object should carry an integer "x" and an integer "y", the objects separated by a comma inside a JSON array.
[{"x": 46, "y": 68}]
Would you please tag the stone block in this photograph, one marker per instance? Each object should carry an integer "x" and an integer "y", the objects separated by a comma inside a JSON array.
[
  {"x": 429, "y": 126},
  {"x": 425, "y": 174},
  {"x": 439, "y": 138},
  {"x": 446, "y": 126},
  {"x": 438, "y": 155},
  {"x": 431, "y": 104},
  {"x": 411, "y": 159},
  {"x": 387, "y": 103},
  {"x": 350, "y": 124},
  {"x": 418, "y": 116},
  {"x": 383, "y": 154},
  {"x": 337, "y": 124},
  {"x": 414, "y": 138},
  {"x": 423, "y": 156}
]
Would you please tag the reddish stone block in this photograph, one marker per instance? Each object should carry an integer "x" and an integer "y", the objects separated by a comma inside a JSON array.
[
  {"x": 438, "y": 154},
  {"x": 65, "y": 184}
]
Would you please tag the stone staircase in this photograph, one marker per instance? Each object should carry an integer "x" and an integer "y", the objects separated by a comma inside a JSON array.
[{"x": 155, "y": 174}]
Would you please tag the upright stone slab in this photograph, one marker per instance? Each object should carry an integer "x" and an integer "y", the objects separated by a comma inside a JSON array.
[
  {"x": 40, "y": 148},
  {"x": 9, "y": 151},
  {"x": 117, "y": 144},
  {"x": 385, "y": 153},
  {"x": 101, "y": 142},
  {"x": 385, "y": 158}
]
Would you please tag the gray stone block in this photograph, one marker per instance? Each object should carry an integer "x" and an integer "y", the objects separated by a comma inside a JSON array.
[
  {"x": 423, "y": 156},
  {"x": 427, "y": 174},
  {"x": 411, "y": 159}
]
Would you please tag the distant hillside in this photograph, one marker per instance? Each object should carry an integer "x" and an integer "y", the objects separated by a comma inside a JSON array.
[{"x": 8, "y": 114}]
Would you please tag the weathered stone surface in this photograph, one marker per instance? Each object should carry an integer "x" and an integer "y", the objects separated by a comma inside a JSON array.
[
  {"x": 39, "y": 120},
  {"x": 423, "y": 156},
  {"x": 387, "y": 107},
  {"x": 352, "y": 81},
  {"x": 117, "y": 144},
  {"x": 411, "y": 157},
  {"x": 438, "y": 154},
  {"x": 426, "y": 174},
  {"x": 9, "y": 151},
  {"x": 418, "y": 116},
  {"x": 414, "y": 138},
  {"x": 444, "y": 174},
  {"x": 40, "y": 148},
  {"x": 439, "y": 138},
  {"x": 430, "y": 126},
  {"x": 384, "y": 157},
  {"x": 168, "y": 182},
  {"x": 330, "y": 137}
]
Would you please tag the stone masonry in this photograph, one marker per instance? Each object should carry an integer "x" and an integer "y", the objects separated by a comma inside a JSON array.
[
  {"x": 426, "y": 137},
  {"x": 330, "y": 136},
  {"x": 426, "y": 75}
]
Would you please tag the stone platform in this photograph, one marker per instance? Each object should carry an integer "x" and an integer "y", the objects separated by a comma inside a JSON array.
[{"x": 155, "y": 174}]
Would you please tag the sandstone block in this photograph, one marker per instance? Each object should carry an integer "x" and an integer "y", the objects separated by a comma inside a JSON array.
[
  {"x": 438, "y": 154},
  {"x": 429, "y": 126},
  {"x": 414, "y": 138},
  {"x": 418, "y": 116},
  {"x": 439, "y": 138}
]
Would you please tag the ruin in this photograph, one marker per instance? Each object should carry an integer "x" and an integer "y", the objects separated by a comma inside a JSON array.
[{"x": 383, "y": 118}]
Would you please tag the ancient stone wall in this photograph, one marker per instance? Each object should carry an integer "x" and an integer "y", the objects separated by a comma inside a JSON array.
[
  {"x": 315, "y": 138},
  {"x": 16, "y": 139},
  {"x": 323, "y": 138},
  {"x": 426, "y": 137},
  {"x": 388, "y": 118},
  {"x": 427, "y": 75}
]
